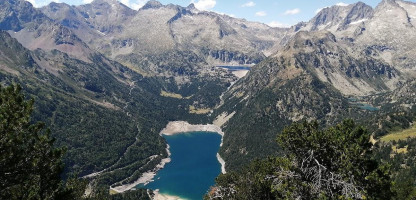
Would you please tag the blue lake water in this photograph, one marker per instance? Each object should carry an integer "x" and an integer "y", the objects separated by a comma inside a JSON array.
[
  {"x": 368, "y": 107},
  {"x": 365, "y": 106},
  {"x": 193, "y": 167}
]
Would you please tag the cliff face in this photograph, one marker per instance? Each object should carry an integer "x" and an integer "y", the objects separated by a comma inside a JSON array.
[
  {"x": 340, "y": 17},
  {"x": 387, "y": 30},
  {"x": 392, "y": 30}
]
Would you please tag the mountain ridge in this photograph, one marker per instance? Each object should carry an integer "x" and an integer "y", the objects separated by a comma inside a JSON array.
[{"x": 178, "y": 29}]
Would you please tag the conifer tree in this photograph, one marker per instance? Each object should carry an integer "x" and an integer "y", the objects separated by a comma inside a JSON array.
[
  {"x": 333, "y": 163},
  {"x": 30, "y": 166}
]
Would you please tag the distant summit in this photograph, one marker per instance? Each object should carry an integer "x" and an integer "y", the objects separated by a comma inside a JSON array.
[
  {"x": 191, "y": 6},
  {"x": 340, "y": 17},
  {"x": 105, "y": 1},
  {"x": 152, "y": 4},
  {"x": 15, "y": 14}
]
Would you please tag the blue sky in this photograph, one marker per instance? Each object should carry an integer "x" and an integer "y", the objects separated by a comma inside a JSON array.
[{"x": 272, "y": 12}]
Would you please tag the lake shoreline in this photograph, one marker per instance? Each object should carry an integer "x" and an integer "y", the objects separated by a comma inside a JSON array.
[
  {"x": 162, "y": 196},
  {"x": 146, "y": 177},
  {"x": 173, "y": 128}
]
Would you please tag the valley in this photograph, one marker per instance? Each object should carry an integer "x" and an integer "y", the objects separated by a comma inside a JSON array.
[{"x": 112, "y": 83}]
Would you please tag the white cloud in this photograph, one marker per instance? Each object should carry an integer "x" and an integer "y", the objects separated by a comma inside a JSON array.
[
  {"x": 292, "y": 12},
  {"x": 342, "y": 4},
  {"x": 125, "y": 2},
  {"x": 33, "y": 2},
  {"x": 139, "y": 4},
  {"x": 261, "y": 13},
  {"x": 204, "y": 4},
  {"x": 248, "y": 4},
  {"x": 42, "y": 3},
  {"x": 135, "y": 5},
  {"x": 338, "y": 4},
  {"x": 278, "y": 24}
]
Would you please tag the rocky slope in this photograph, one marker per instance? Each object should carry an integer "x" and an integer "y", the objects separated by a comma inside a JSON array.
[
  {"x": 392, "y": 32},
  {"x": 388, "y": 31},
  {"x": 308, "y": 80},
  {"x": 339, "y": 18},
  {"x": 35, "y": 30}
]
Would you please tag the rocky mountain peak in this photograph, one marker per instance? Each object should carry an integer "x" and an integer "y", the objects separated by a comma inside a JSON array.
[
  {"x": 338, "y": 17},
  {"x": 396, "y": 12},
  {"x": 388, "y": 1},
  {"x": 56, "y": 9},
  {"x": 105, "y": 1},
  {"x": 109, "y": 6},
  {"x": 359, "y": 12},
  {"x": 17, "y": 3},
  {"x": 304, "y": 39},
  {"x": 351, "y": 71},
  {"x": 191, "y": 6},
  {"x": 386, "y": 5},
  {"x": 393, "y": 28},
  {"x": 106, "y": 16},
  {"x": 56, "y": 5},
  {"x": 152, "y": 4},
  {"x": 14, "y": 14}
]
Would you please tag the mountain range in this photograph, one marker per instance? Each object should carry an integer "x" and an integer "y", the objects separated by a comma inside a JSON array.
[
  {"x": 107, "y": 78},
  {"x": 164, "y": 31}
]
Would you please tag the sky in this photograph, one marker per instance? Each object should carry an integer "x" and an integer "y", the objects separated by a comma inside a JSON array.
[{"x": 276, "y": 13}]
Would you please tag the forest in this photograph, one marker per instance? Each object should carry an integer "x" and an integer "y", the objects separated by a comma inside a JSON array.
[{"x": 338, "y": 162}]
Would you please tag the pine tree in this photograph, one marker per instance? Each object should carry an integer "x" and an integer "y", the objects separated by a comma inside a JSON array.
[
  {"x": 334, "y": 163},
  {"x": 30, "y": 166}
]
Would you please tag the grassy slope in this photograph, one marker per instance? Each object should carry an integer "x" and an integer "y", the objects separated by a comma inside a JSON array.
[{"x": 400, "y": 135}]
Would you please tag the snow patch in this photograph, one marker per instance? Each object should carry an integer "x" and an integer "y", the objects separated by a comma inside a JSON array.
[
  {"x": 359, "y": 21},
  {"x": 103, "y": 34}
]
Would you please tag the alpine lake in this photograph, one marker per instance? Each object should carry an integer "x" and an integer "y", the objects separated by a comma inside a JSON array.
[{"x": 193, "y": 167}]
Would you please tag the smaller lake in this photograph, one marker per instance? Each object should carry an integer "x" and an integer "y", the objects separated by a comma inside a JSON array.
[
  {"x": 368, "y": 107},
  {"x": 235, "y": 68},
  {"x": 193, "y": 168},
  {"x": 362, "y": 105}
]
